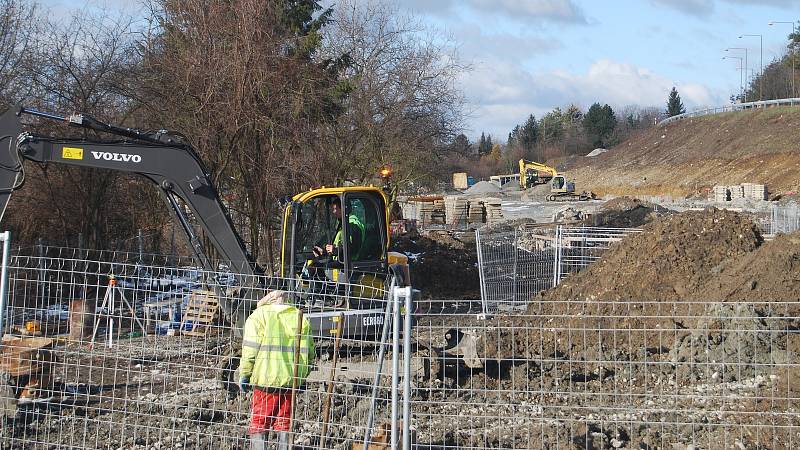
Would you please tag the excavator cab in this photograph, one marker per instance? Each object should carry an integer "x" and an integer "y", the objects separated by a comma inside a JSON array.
[{"x": 354, "y": 222}]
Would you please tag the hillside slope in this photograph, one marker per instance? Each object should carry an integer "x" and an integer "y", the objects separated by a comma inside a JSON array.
[{"x": 687, "y": 157}]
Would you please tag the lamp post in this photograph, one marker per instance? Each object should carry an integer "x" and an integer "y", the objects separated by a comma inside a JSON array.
[
  {"x": 740, "y": 73},
  {"x": 760, "y": 63},
  {"x": 745, "y": 64},
  {"x": 794, "y": 94}
]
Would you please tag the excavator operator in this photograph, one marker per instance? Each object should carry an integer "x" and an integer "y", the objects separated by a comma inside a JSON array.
[{"x": 356, "y": 231}]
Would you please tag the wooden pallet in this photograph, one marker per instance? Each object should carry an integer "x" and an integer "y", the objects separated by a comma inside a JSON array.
[{"x": 201, "y": 311}]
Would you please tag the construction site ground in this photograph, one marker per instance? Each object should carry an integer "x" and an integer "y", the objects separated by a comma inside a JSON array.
[{"x": 684, "y": 333}]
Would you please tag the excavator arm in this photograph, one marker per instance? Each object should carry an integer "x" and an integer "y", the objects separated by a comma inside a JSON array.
[
  {"x": 173, "y": 167},
  {"x": 530, "y": 173}
]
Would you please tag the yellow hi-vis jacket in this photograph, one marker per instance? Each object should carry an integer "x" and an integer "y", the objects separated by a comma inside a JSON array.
[{"x": 268, "y": 347}]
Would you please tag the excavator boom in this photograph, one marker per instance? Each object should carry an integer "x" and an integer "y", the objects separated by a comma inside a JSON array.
[
  {"x": 532, "y": 173},
  {"x": 175, "y": 169}
]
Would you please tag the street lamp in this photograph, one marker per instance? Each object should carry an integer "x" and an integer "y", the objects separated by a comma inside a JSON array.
[
  {"x": 760, "y": 63},
  {"x": 740, "y": 73},
  {"x": 745, "y": 63},
  {"x": 794, "y": 94}
]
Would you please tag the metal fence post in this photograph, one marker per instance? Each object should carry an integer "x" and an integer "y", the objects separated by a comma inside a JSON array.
[
  {"x": 395, "y": 361},
  {"x": 6, "y": 238},
  {"x": 481, "y": 275},
  {"x": 515, "y": 250},
  {"x": 407, "y": 293},
  {"x": 556, "y": 256}
]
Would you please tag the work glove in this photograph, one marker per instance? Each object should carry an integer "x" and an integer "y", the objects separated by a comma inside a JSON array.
[{"x": 244, "y": 384}]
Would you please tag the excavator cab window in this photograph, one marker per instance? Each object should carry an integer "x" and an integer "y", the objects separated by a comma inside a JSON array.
[
  {"x": 315, "y": 227},
  {"x": 366, "y": 238}
]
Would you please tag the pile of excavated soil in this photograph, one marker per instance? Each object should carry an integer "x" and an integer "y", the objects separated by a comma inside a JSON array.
[
  {"x": 442, "y": 266},
  {"x": 693, "y": 290},
  {"x": 623, "y": 212},
  {"x": 671, "y": 259},
  {"x": 771, "y": 272}
]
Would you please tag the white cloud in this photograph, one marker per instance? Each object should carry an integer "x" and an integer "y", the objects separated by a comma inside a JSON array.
[
  {"x": 564, "y": 11},
  {"x": 507, "y": 93},
  {"x": 555, "y": 10},
  {"x": 504, "y": 46},
  {"x": 700, "y": 8}
]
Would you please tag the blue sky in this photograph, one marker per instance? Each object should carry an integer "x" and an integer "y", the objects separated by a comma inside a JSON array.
[{"x": 530, "y": 56}]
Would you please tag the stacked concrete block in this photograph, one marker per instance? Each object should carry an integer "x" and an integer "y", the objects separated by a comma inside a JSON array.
[
  {"x": 476, "y": 212},
  {"x": 754, "y": 191},
  {"x": 494, "y": 210},
  {"x": 723, "y": 193},
  {"x": 456, "y": 209},
  {"x": 720, "y": 193}
]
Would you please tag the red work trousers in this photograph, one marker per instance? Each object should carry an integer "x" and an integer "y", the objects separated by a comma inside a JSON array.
[{"x": 270, "y": 410}]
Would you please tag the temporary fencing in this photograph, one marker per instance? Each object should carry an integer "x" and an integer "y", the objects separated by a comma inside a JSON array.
[
  {"x": 562, "y": 374},
  {"x": 612, "y": 374},
  {"x": 515, "y": 265},
  {"x": 783, "y": 219},
  {"x": 115, "y": 351}
]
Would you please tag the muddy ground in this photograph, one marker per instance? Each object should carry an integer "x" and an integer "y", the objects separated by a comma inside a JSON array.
[{"x": 681, "y": 337}]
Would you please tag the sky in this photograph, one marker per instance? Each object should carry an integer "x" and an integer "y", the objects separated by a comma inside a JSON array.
[{"x": 530, "y": 56}]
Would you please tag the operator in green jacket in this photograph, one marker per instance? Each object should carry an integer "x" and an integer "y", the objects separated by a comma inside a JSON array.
[
  {"x": 356, "y": 231},
  {"x": 267, "y": 366}
]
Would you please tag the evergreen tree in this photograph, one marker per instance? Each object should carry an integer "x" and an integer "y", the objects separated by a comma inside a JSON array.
[
  {"x": 599, "y": 122},
  {"x": 513, "y": 137},
  {"x": 674, "y": 104},
  {"x": 484, "y": 145},
  {"x": 528, "y": 134}
]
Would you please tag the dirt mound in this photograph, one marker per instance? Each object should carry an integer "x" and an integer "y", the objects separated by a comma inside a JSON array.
[
  {"x": 442, "y": 266},
  {"x": 671, "y": 259},
  {"x": 772, "y": 272},
  {"x": 687, "y": 156},
  {"x": 624, "y": 212}
]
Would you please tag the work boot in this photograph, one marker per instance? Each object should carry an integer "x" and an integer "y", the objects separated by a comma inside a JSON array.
[
  {"x": 258, "y": 441},
  {"x": 283, "y": 440}
]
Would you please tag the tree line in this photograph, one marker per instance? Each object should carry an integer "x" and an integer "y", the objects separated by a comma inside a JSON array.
[{"x": 276, "y": 96}]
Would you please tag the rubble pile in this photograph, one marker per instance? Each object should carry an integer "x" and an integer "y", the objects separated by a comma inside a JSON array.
[
  {"x": 624, "y": 212},
  {"x": 442, "y": 267}
]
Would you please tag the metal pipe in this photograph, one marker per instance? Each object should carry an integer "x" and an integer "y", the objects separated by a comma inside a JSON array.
[
  {"x": 5, "y": 237},
  {"x": 408, "y": 293},
  {"x": 387, "y": 319},
  {"x": 395, "y": 362},
  {"x": 326, "y": 408},
  {"x": 481, "y": 276},
  {"x": 295, "y": 369}
]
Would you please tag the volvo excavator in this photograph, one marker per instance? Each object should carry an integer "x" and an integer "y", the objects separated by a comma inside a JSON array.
[{"x": 350, "y": 283}]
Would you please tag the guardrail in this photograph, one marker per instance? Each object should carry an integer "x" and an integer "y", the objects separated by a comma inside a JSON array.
[{"x": 732, "y": 108}]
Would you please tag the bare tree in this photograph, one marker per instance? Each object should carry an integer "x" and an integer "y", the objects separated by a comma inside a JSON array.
[
  {"x": 77, "y": 66},
  {"x": 19, "y": 23},
  {"x": 402, "y": 102},
  {"x": 237, "y": 77}
]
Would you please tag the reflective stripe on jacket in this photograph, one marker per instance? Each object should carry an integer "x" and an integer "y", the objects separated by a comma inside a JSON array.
[{"x": 268, "y": 347}]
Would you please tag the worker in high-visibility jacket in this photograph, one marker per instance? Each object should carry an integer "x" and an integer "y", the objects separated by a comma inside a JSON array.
[
  {"x": 267, "y": 366},
  {"x": 357, "y": 234}
]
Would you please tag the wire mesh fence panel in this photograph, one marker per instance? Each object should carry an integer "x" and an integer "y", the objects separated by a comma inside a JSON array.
[
  {"x": 515, "y": 265},
  {"x": 580, "y": 246},
  {"x": 784, "y": 219},
  {"x": 625, "y": 374},
  {"x": 117, "y": 352}
]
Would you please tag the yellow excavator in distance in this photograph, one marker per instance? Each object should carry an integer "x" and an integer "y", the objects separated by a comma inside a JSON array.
[{"x": 532, "y": 173}]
